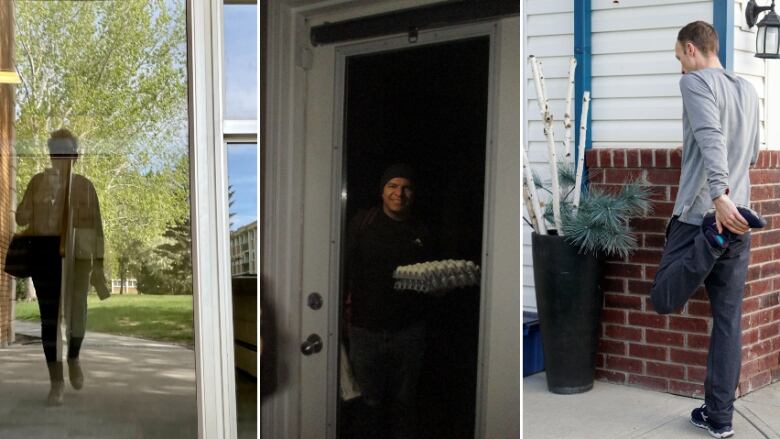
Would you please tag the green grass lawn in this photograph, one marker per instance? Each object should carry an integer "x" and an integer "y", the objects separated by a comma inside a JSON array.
[{"x": 163, "y": 318}]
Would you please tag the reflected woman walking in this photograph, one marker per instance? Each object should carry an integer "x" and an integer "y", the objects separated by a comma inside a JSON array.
[{"x": 61, "y": 213}]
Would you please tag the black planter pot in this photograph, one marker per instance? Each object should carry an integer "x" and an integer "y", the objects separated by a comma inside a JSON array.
[{"x": 569, "y": 301}]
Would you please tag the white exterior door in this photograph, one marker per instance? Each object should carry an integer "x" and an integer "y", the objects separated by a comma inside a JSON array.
[{"x": 305, "y": 161}]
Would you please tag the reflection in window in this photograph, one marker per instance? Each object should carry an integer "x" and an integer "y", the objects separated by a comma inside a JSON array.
[
  {"x": 240, "y": 61},
  {"x": 101, "y": 184}
]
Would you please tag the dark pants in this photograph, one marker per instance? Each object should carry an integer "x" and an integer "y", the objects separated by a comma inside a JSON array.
[
  {"x": 687, "y": 261},
  {"x": 387, "y": 368},
  {"x": 47, "y": 278}
]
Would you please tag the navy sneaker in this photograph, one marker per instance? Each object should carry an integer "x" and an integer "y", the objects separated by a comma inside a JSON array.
[
  {"x": 721, "y": 240},
  {"x": 700, "y": 419}
]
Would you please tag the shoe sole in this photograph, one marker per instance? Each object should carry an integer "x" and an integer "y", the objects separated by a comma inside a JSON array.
[{"x": 712, "y": 433}]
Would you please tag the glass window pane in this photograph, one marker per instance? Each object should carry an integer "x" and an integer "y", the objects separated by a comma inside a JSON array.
[
  {"x": 96, "y": 180},
  {"x": 240, "y": 68}
]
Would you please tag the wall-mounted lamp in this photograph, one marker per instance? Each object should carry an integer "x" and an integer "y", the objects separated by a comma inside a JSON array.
[
  {"x": 768, "y": 37},
  {"x": 9, "y": 77}
]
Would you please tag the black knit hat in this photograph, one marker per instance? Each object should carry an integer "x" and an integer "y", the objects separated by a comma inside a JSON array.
[
  {"x": 398, "y": 170},
  {"x": 63, "y": 143}
]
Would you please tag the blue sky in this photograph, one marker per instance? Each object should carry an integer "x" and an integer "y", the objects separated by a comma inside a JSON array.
[
  {"x": 240, "y": 61},
  {"x": 242, "y": 175},
  {"x": 241, "y": 103}
]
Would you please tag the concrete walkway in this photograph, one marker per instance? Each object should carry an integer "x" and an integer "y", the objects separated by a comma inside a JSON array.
[
  {"x": 134, "y": 389},
  {"x": 611, "y": 411}
]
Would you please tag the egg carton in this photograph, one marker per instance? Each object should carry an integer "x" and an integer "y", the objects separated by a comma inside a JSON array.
[{"x": 434, "y": 276}]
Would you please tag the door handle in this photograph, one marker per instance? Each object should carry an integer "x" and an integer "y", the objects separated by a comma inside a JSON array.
[{"x": 312, "y": 345}]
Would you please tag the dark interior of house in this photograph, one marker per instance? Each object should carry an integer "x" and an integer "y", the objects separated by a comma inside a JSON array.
[{"x": 427, "y": 106}]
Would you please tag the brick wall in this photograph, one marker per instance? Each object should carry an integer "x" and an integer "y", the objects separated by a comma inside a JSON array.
[
  {"x": 6, "y": 170},
  {"x": 668, "y": 353}
]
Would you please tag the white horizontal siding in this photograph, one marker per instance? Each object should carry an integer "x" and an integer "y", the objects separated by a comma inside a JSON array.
[
  {"x": 549, "y": 36},
  {"x": 635, "y": 76},
  {"x": 756, "y": 71}
]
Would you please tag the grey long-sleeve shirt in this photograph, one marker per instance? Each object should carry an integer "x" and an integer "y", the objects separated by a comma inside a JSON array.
[{"x": 720, "y": 141}]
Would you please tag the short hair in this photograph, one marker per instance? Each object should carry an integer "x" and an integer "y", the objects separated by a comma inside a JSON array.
[
  {"x": 62, "y": 143},
  {"x": 702, "y": 35}
]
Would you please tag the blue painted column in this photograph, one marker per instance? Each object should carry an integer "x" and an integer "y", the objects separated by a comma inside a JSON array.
[
  {"x": 723, "y": 21},
  {"x": 582, "y": 77}
]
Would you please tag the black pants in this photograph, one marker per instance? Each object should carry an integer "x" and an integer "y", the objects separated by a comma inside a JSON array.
[
  {"x": 47, "y": 278},
  {"x": 387, "y": 366},
  {"x": 687, "y": 261}
]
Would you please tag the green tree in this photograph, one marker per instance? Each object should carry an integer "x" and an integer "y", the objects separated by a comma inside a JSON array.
[{"x": 114, "y": 73}]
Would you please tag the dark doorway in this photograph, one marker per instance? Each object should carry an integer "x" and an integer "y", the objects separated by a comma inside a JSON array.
[{"x": 427, "y": 106}]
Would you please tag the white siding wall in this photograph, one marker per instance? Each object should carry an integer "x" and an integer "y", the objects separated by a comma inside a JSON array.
[
  {"x": 636, "y": 96},
  {"x": 756, "y": 70},
  {"x": 549, "y": 35}
]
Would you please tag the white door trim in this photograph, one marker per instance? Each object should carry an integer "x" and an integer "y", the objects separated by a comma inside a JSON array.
[
  {"x": 451, "y": 34},
  {"x": 212, "y": 298}
]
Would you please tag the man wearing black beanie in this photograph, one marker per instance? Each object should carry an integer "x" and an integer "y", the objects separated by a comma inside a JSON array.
[{"x": 387, "y": 331}]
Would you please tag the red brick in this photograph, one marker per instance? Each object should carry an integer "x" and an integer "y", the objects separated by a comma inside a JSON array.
[
  {"x": 612, "y": 347},
  {"x": 648, "y": 225},
  {"x": 754, "y": 273},
  {"x": 619, "y": 158},
  {"x": 665, "y": 370},
  {"x": 760, "y": 255},
  {"x": 654, "y": 241},
  {"x": 662, "y": 209},
  {"x": 675, "y": 158},
  {"x": 658, "y": 193},
  {"x": 699, "y": 309},
  {"x": 610, "y": 376},
  {"x": 759, "y": 349},
  {"x": 749, "y": 337},
  {"x": 650, "y": 271},
  {"x": 688, "y": 324},
  {"x": 645, "y": 351},
  {"x": 661, "y": 158},
  {"x": 769, "y": 207},
  {"x": 632, "y": 271},
  {"x": 769, "y": 331},
  {"x": 600, "y": 361},
  {"x": 694, "y": 358},
  {"x": 749, "y": 369},
  {"x": 686, "y": 389},
  {"x": 698, "y": 341},
  {"x": 623, "y": 301},
  {"x": 592, "y": 158},
  {"x": 769, "y": 300},
  {"x": 624, "y": 364},
  {"x": 696, "y": 374},
  {"x": 750, "y": 305},
  {"x": 764, "y": 316},
  {"x": 770, "y": 269},
  {"x": 648, "y": 160},
  {"x": 632, "y": 159},
  {"x": 646, "y": 256},
  {"x": 764, "y": 176},
  {"x": 666, "y": 338},
  {"x": 663, "y": 176},
  {"x": 647, "y": 320},
  {"x": 768, "y": 237},
  {"x": 613, "y": 316},
  {"x": 760, "y": 380},
  {"x": 605, "y": 158},
  {"x": 621, "y": 176},
  {"x": 673, "y": 193},
  {"x": 623, "y": 333},
  {"x": 612, "y": 285},
  {"x": 639, "y": 287},
  {"x": 761, "y": 193},
  {"x": 651, "y": 383},
  {"x": 759, "y": 287}
]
